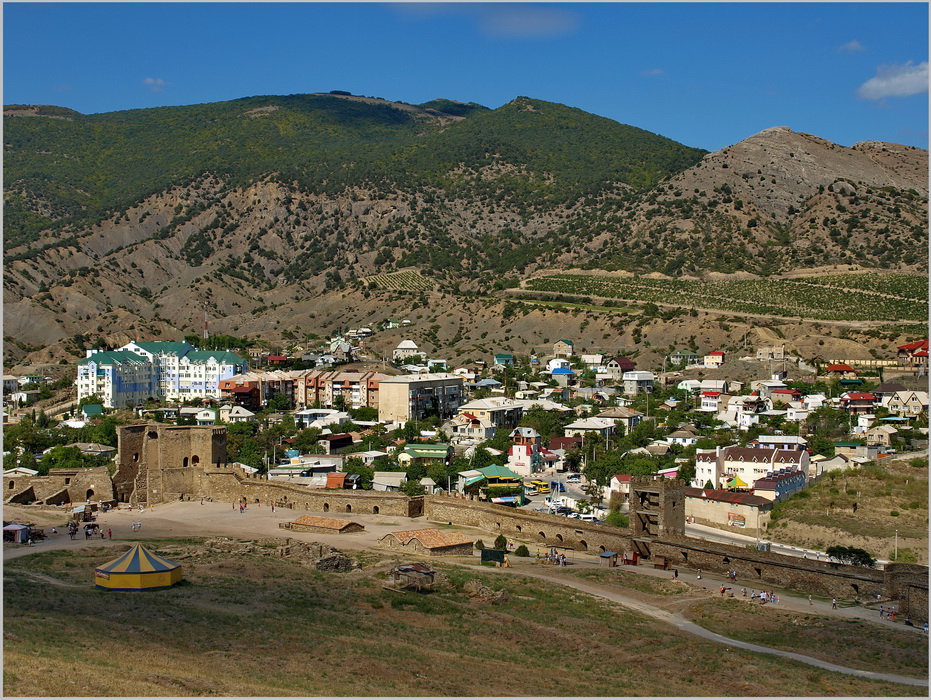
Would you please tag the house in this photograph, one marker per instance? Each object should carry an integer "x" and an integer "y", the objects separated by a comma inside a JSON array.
[
  {"x": 205, "y": 416},
  {"x": 388, "y": 481},
  {"x": 914, "y": 354},
  {"x": 524, "y": 455},
  {"x": 503, "y": 413},
  {"x": 727, "y": 509},
  {"x": 617, "y": 366},
  {"x": 774, "y": 352},
  {"x": 721, "y": 465},
  {"x": 842, "y": 371},
  {"x": 682, "y": 437},
  {"x": 11, "y": 384},
  {"x": 857, "y": 452},
  {"x": 780, "y": 484},
  {"x": 564, "y": 376},
  {"x": 714, "y": 359},
  {"x": 414, "y": 397},
  {"x": 557, "y": 363},
  {"x": 429, "y": 542},
  {"x": 592, "y": 361},
  {"x": 236, "y": 414},
  {"x": 679, "y": 357},
  {"x": 414, "y": 453},
  {"x": 907, "y": 403},
  {"x": 405, "y": 349},
  {"x": 711, "y": 401},
  {"x": 603, "y": 426},
  {"x": 886, "y": 390},
  {"x": 638, "y": 382},
  {"x": 779, "y": 442},
  {"x": 94, "y": 449},
  {"x": 857, "y": 402},
  {"x": 563, "y": 348},
  {"x": 467, "y": 427},
  {"x": 334, "y": 444},
  {"x": 504, "y": 360},
  {"x": 626, "y": 418},
  {"x": 91, "y": 410},
  {"x": 564, "y": 443},
  {"x": 881, "y": 435},
  {"x": 499, "y": 475},
  {"x": 620, "y": 484}
]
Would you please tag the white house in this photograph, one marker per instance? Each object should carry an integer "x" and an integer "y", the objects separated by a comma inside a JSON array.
[
  {"x": 405, "y": 349},
  {"x": 638, "y": 382},
  {"x": 714, "y": 359},
  {"x": 602, "y": 426}
]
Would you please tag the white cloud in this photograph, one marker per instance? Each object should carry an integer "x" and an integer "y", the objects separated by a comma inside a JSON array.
[
  {"x": 652, "y": 71},
  {"x": 851, "y": 47},
  {"x": 896, "y": 81},
  {"x": 155, "y": 84}
]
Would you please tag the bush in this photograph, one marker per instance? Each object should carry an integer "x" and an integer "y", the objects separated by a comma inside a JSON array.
[
  {"x": 522, "y": 551},
  {"x": 894, "y": 514},
  {"x": 851, "y": 555},
  {"x": 479, "y": 544},
  {"x": 617, "y": 519},
  {"x": 501, "y": 542}
]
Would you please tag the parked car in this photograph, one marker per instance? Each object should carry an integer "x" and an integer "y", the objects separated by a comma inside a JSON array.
[{"x": 573, "y": 479}]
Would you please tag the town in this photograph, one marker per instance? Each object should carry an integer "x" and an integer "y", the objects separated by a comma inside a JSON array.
[{"x": 564, "y": 433}]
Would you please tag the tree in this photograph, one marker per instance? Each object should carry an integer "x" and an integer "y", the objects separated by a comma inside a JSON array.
[
  {"x": 412, "y": 488},
  {"x": 851, "y": 555}
]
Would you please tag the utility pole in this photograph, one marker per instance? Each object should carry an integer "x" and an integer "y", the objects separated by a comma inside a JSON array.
[{"x": 895, "y": 556}]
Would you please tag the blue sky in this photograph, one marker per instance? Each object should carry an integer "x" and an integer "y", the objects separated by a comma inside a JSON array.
[{"x": 704, "y": 74}]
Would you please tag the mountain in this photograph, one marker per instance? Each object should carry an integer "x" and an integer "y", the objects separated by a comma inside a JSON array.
[{"x": 129, "y": 222}]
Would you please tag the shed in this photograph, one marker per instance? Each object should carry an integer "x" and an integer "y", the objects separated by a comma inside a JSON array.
[
  {"x": 316, "y": 523},
  {"x": 137, "y": 570},
  {"x": 608, "y": 558},
  {"x": 429, "y": 541},
  {"x": 14, "y": 532}
]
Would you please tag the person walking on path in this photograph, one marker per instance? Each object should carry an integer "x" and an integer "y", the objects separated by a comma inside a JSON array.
[
  {"x": 809, "y": 599},
  {"x": 675, "y": 574},
  {"x": 110, "y": 533},
  {"x": 833, "y": 603}
]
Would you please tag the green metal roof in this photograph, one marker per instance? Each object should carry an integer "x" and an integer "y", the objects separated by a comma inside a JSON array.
[
  {"x": 496, "y": 470},
  {"x": 427, "y": 450},
  {"x": 92, "y": 409},
  {"x": 223, "y": 357},
  {"x": 114, "y": 357},
  {"x": 162, "y": 347}
]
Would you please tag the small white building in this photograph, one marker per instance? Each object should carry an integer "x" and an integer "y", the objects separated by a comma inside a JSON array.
[{"x": 406, "y": 349}]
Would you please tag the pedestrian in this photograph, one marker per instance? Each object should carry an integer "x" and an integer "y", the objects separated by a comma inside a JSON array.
[
  {"x": 882, "y": 612},
  {"x": 833, "y": 603},
  {"x": 675, "y": 574},
  {"x": 743, "y": 592},
  {"x": 699, "y": 573},
  {"x": 809, "y": 599},
  {"x": 110, "y": 533},
  {"x": 139, "y": 525},
  {"x": 54, "y": 531}
]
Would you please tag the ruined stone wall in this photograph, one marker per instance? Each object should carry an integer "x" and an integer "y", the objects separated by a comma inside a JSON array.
[
  {"x": 299, "y": 527},
  {"x": 61, "y": 486},
  {"x": 908, "y": 585},
  {"x": 544, "y": 528},
  {"x": 760, "y": 569},
  {"x": 224, "y": 485}
]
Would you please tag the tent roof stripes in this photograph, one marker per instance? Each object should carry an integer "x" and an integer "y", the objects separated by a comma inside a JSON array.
[{"x": 136, "y": 561}]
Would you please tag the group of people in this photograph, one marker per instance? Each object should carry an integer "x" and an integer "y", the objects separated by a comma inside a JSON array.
[
  {"x": 764, "y": 597},
  {"x": 554, "y": 557},
  {"x": 90, "y": 531},
  {"x": 136, "y": 525}
]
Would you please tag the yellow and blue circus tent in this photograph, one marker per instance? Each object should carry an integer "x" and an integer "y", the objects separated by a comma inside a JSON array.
[{"x": 137, "y": 570}]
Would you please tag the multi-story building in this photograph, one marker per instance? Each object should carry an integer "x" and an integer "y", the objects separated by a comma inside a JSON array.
[
  {"x": 256, "y": 389},
  {"x": 503, "y": 413},
  {"x": 183, "y": 372},
  {"x": 119, "y": 377},
  {"x": 638, "y": 382},
  {"x": 721, "y": 465},
  {"x": 323, "y": 388},
  {"x": 416, "y": 396}
]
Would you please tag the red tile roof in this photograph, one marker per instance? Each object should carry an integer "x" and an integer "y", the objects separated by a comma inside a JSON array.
[
  {"x": 431, "y": 538},
  {"x": 747, "y": 499},
  {"x": 840, "y": 368},
  {"x": 917, "y": 345}
]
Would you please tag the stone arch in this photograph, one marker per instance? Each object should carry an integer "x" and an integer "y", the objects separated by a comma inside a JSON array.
[
  {"x": 601, "y": 548},
  {"x": 184, "y": 462},
  {"x": 195, "y": 459},
  {"x": 542, "y": 536},
  {"x": 584, "y": 544},
  {"x": 153, "y": 435},
  {"x": 12, "y": 484},
  {"x": 519, "y": 528},
  {"x": 375, "y": 510},
  {"x": 89, "y": 494},
  {"x": 135, "y": 456},
  {"x": 326, "y": 507},
  {"x": 348, "y": 507},
  {"x": 558, "y": 537}
]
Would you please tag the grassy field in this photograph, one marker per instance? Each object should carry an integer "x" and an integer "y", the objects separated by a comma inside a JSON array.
[
  {"x": 261, "y": 626},
  {"x": 861, "y": 297},
  {"x": 890, "y": 496}
]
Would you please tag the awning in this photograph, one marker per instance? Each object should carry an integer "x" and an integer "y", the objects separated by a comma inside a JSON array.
[
  {"x": 474, "y": 480},
  {"x": 504, "y": 499},
  {"x": 736, "y": 482},
  {"x": 77, "y": 509}
]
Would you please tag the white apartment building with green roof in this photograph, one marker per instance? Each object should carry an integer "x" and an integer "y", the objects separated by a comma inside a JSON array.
[{"x": 164, "y": 371}]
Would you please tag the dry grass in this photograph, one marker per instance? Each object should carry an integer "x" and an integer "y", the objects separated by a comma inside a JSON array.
[
  {"x": 258, "y": 626},
  {"x": 826, "y": 516}
]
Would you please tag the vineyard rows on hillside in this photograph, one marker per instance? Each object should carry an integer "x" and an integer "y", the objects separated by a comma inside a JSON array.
[
  {"x": 835, "y": 298},
  {"x": 410, "y": 281}
]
